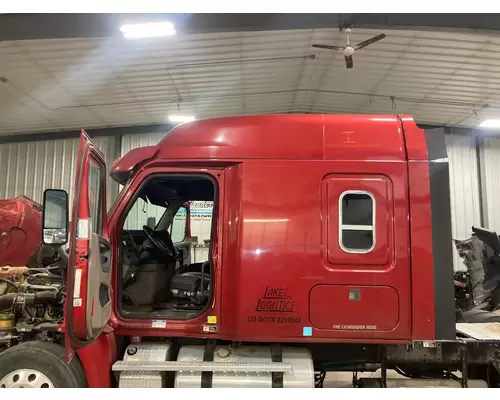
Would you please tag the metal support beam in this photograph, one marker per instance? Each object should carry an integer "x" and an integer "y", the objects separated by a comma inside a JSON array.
[
  {"x": 483, "y": 200},
  {"x": 483, "y": 187},
  {"x": 49, "y": 26}
]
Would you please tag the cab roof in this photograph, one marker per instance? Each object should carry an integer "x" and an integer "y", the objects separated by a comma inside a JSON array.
[
  {"x": 292, "y": 136},
  {"x": 280, "y": 137}
]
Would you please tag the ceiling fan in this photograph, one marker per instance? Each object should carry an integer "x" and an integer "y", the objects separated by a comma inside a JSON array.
[{"x": 350, "y": 49}]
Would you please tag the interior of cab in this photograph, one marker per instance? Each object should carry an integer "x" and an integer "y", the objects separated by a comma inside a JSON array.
[{"x": 165, "y": 269}]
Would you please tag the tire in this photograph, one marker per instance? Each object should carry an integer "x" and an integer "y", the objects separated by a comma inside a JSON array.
[{"x": 46, "y": 359}]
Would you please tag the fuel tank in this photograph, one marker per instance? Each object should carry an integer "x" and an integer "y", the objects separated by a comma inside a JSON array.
[{"x": 20, "y": 230}]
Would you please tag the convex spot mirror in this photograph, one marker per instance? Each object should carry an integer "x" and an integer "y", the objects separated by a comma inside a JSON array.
[{"x": 55, "y": 217}]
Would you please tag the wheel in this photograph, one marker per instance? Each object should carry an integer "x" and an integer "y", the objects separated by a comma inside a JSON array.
[{"x": 39, "y": 365}]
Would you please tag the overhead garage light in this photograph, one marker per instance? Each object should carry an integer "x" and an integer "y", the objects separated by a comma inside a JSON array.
[
  {"x": 149, "y": 30},
  {"x": 181, "y": 118},
  {"x": 490, "y": 123}
]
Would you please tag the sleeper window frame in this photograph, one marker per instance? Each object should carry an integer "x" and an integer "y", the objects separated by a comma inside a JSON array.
[{"x": 344, "y": 227}]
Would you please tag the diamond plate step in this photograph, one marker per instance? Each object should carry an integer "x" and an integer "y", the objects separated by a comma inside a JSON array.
[{"x": 145, "y": 366}]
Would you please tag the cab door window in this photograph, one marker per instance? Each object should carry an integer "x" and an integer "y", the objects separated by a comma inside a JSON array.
[{"x": 96, "y": 193}]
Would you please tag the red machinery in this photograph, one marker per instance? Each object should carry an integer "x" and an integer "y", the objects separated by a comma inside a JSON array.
[
  {"x": 329, "y": 250},
  {"x": 20, "y": 230}
]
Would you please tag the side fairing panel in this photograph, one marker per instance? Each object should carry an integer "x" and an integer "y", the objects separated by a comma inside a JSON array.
[
  {"x": 281, "y": 227},
  {"x": 433, "y": 297}
]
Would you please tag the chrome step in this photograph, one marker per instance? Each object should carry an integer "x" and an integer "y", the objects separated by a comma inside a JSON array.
[{"x": 185, "y": 366}]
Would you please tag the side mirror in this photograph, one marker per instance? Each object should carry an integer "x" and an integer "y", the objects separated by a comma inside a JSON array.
[{"x": 55, "y": 218}]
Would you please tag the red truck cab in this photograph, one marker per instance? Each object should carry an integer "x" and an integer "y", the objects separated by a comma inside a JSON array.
[{"x": 325, "y": 229}]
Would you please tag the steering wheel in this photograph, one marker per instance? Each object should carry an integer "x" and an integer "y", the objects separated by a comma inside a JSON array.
[
  {"x": 166, "y": 248},
  {"x": 130, "y": 237}
]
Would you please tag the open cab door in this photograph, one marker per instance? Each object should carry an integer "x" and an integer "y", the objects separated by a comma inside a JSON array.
[{"x": 88, "y": 296}]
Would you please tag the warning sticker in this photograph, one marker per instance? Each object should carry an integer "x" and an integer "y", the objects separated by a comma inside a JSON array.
[
  {"x": 212, "y": 319},
  {"x": 77, "y": 283},
  {"x": 159, "y": 323},
  {"x": 82, "y": 231},
  {"x": 77, "y": 302},
  {"x": 210, "y": 328}
]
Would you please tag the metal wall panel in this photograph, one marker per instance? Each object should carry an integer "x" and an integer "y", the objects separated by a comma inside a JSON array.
[
  {"x": 107, "y": 145},
  {"x": 30, "y": 168},
  {"x": 464, "y": 188},
  {"x": 130, "y": 142},
  {"x": 491, "y": 182}
]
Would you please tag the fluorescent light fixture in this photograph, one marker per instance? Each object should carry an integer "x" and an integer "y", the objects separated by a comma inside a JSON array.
[
  {"x": 490, "y": 123},
  {"x": 181, "y": 118},
  {"x": 152, "y": 29}
]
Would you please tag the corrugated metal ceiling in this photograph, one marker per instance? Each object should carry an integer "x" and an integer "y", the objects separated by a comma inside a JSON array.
[{"x": 438, "y": 77}]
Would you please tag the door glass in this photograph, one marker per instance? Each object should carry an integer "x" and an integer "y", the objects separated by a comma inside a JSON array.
[
  {"x": 179, "y": 226},
  {"x": 96, "y": 188},
  {"x": 96, "y": 214}
]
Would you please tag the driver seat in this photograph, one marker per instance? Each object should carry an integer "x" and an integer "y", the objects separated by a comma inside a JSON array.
[{"x": 192, "y": 286}]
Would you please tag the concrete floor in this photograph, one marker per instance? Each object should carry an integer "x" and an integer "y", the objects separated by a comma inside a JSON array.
[{"x": 344, "y": 379}]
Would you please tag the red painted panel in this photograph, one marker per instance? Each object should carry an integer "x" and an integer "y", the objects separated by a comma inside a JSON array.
[
  {"x": 20, "y": 230},
  {"x": 422, "y": 273},
  {"x": 416, "y": 145},
  {"x": 123, "y": 167},
  {"x": 282, "y": 237},
  {"x": 380, "y": 188},
  {"x": 313, "y": 137},
  {"x": 354, "y": 308},
  {"x": 273, "y": 237},
  {"x": 97, "y": 359},
  {"x": 77, "y": 282},
  {"x": 270, "y": 136},
  {"x": 363, "y": 138}
]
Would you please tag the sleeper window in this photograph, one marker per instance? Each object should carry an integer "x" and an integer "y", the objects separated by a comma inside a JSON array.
[{"x": 357, "y": 222}]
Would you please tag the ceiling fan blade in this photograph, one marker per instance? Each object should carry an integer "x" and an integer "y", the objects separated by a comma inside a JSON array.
[
  {"x": 349, "y": 63},
  {"x": 326, "y": 46},
  {"x": 369, "y": 41}
]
